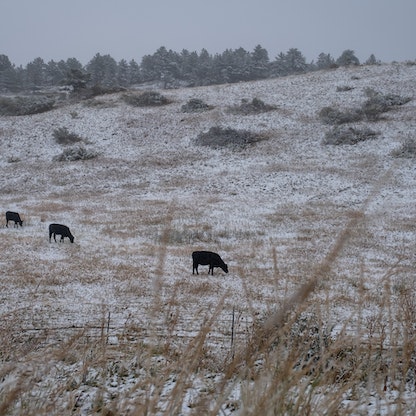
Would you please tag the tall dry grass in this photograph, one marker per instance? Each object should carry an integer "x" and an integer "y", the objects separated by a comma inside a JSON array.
[
  {"x": 114, "y": 336},
  {"x": 218, "y": 360}
]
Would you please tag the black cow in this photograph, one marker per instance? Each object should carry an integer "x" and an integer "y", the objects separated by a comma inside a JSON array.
[
  {"x": 61, "y": 230},
  {"x": 207, "y": 258},
  {"x": 13, "y": 216}
]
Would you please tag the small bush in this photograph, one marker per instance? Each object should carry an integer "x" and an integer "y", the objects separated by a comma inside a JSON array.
[
  {"x": 22, "y": 106},
  {"x": 195, "y": 105},
  {"x": 371, "y": 109},
  {"x": 218, "y": 137},
  {"x": 63, "y": 136},
  {"x": 256, "y": 106},
  {"x": 406, "y": 150},
  {"x": 333, "y": 116},
  {"x": 348, "y": 135},
  {"x": 344, "y": 88},
  {"x": 378, "y": 103},
  {"x": 103, "y": 90},
  {"x": 75, "y": 153},
  {"x": 13, "y": 159},
  {"x": 146, "y": 99}
]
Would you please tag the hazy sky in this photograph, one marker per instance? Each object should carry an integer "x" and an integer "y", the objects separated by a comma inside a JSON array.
[{"x": 130, "y": 29}]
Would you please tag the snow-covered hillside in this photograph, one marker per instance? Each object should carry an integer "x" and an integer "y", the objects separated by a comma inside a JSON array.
[{"x": 273, "y": 210}]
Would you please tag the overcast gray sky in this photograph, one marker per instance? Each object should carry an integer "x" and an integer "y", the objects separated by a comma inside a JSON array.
[{"x": 130, "y": 29}]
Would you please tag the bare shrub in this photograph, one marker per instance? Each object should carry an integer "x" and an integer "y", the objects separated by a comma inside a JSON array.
[
  {"x": 195, "y": 105},
  {"x": 146, "y": 99},
  {"x": 371, "y": 109},
  {"x": 333, "y": 116},
  {"x": 378, "y": 103},
  {"x": 256, "y": 106},
  {"x": 21, "y": 106},
  {"x": 13, "y": 159},
  {"x": 63, "y": 136},
  {"x": 344, "y": 88},
  {"x": 406, "y": 150},
  {"x": 348, "y": 135},
  {"x": 75, "y": 153},
  {"x": 218, "y": 137}
]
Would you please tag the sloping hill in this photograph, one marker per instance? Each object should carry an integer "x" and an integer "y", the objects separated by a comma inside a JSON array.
[{"x": 95, "y": 323}]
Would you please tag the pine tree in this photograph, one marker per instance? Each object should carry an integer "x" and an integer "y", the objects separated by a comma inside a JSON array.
[
  {"x": 372, "y": 60},
  {"x": 295, "y": 61},
  {"x": 347, "y": 58},
  {"x": 163, "y": 66},
  {"x": 279, "y": 66},
  {"x": 135, "y": 76},
  {"x": 123, "y": 76},
  {"x": 8, "y": 77},
  {"x": 103, "y": 70},
  {"x": 241, "y": 65},
  {"x": 36, "y": 73},
  {"x": 188, "y": 67},
  {"x": 55, "y": 72},
  {"x": 167, "y": 66},
  {"x": 205, "y": 69},
  {"x": 325, "y": 61},
  {"x": 73, "y": 63},
  {"x": 77, "y": 78},
  {"x": 260, "y": 63},
  {"x": 110, "y": 71}
]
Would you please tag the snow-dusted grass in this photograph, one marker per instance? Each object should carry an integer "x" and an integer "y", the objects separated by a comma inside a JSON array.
[{"x": 317, "y": 313}]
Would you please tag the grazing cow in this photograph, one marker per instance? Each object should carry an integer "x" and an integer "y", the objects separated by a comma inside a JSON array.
[
  {"x": 13, "y": 216},
  {"x": 61, "y": 230},
  {"x": 207, "y": 258}
]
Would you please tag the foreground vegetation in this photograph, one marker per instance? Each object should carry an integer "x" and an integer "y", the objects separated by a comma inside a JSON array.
[{"x": 292, "y": 360}]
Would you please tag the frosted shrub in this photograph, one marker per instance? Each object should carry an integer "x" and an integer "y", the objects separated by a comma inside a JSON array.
[
  {"x": 333, "y": 116},
  {"x": 344, "y": 88},
  {"x": 378, "y": 103},
  {"x": 218, "y": 137},
  {"x": 406, "y": 150},
  {"x": 75, "y": 153},
  {"x": 256, "y": 106},
  {"x": 195, "y": 105},
  {"x": 146, "y": 99},
  {"x": 21, "y": 106},
  {"x": 371, "y": 109},
  {"x": 348, "y": 135},
  {"x": 63, "y": 136}
]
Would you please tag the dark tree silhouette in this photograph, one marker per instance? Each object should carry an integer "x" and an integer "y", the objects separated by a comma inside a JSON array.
[{"x": 348, "y": 58}]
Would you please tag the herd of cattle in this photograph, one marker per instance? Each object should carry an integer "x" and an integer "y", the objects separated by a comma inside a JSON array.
[
  {"x": 204, "y": 258},
  {"x": 54, "y": 229}
]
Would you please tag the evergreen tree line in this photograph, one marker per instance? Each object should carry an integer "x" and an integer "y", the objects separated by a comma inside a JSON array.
[{"x": 166, "y": 67}]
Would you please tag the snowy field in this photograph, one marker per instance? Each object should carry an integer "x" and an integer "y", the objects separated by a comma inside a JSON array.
[{"x": 107, "y": 324}]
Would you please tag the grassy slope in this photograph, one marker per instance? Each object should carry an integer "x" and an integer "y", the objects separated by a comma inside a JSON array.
[{"x": 117, "y": 321}]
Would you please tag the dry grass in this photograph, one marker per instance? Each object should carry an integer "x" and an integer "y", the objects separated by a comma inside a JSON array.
[
  {"x": 110, "y": 327},
  {"x": 316, "y": 315},
  {"x": 287, "y": 360}
]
